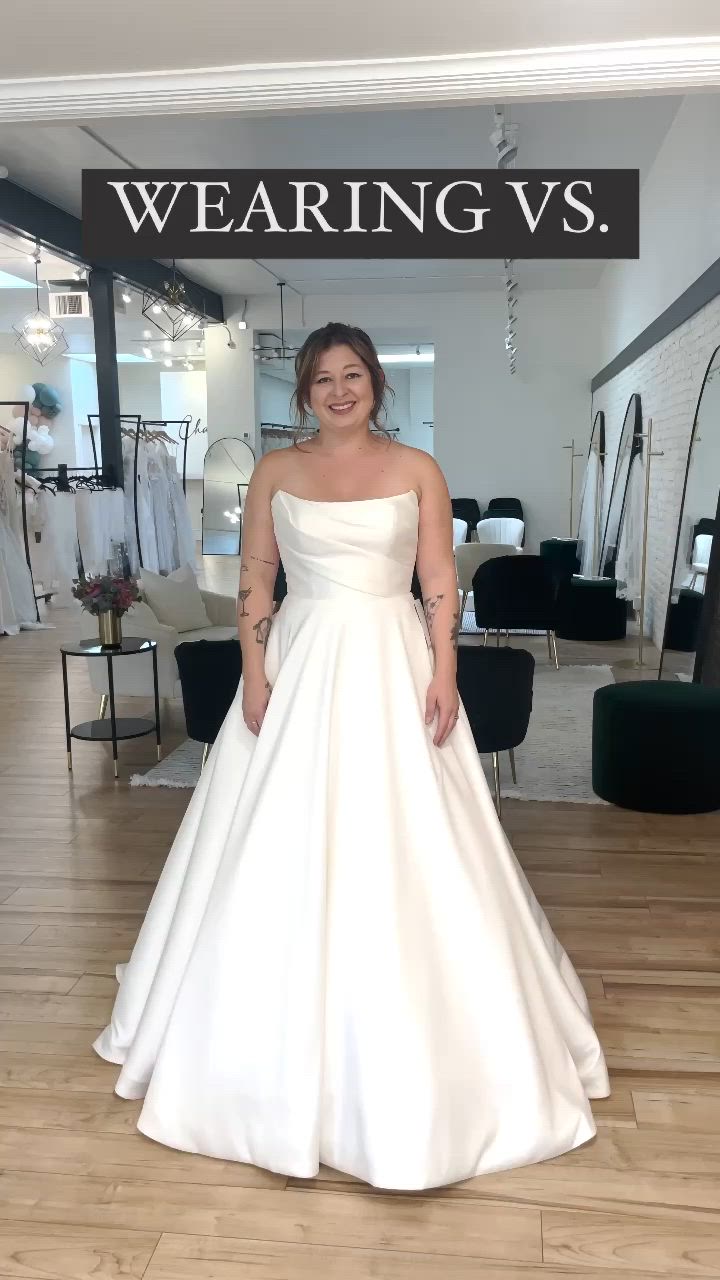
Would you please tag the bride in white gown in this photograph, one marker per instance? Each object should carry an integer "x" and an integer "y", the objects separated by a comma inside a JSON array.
[{"x": 343, "y": 961}]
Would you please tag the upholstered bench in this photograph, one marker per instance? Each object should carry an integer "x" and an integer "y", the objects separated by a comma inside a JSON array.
[{"x": 656, "y": 746}]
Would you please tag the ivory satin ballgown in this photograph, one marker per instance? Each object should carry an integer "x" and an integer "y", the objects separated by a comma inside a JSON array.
[{"x": 343, "y": 961}]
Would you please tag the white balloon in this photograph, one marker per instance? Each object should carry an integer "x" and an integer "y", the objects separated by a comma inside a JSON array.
[
  {"x": 44, "y": 446},
  {"x": 27, "y": 393}
]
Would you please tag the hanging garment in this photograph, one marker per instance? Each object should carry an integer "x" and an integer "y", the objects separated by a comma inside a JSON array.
[
  {"x": 54, "y": 554},
  {"x": 17, "y": 594},
  {"x": 590, "y": 508},
  {"x": 184, "y": 538},
  {"x": 163, "y": 515},
  {"x": 100, "y": 515},
  {"x": 629, "y": 558},
  {"x": 145, "y": 517},
  {"x": 343, "y": 960}
]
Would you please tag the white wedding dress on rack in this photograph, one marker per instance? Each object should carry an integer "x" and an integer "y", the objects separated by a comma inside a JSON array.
[
  {"x": 343, "y": 961},
  {"x": 17, "y": 593}
]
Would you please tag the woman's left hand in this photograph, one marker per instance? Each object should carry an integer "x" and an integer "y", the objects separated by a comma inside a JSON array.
[{"x": 442, "y": 699}]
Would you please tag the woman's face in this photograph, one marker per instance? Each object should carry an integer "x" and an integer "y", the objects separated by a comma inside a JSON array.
[{"x": 341, "y": 393}]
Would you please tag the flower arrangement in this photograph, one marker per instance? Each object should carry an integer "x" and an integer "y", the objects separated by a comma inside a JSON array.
[{"x": 106, "y": 593}]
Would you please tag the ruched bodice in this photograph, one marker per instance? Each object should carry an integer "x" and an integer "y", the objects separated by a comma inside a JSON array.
[{"x": 330, "y": 548}]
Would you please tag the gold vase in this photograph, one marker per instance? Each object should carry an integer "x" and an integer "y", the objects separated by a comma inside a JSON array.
[{"x": 110, "y": 628}]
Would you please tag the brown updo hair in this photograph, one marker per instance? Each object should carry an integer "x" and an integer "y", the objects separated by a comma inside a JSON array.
[{"x": 306, "y": 362}]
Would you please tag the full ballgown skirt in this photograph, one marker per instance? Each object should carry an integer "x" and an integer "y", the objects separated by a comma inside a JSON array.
[{"x": 343, "y": 961}]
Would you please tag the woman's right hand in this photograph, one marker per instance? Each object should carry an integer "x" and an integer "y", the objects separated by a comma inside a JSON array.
[{"x": 256, "y": 696}]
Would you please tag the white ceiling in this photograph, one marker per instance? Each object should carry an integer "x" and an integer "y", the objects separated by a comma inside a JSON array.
[
  {"x": 84, "y": 37},
  {"x": 606, "y": 133}
]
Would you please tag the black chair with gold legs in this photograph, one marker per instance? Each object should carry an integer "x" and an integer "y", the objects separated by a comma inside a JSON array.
[
  {"x": 210, "y": 673},
  {"x": 516, "y": 593},
  {"x": 496, "y": 688}
]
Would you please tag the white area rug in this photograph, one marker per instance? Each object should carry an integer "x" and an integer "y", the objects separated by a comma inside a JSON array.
[
  {"x": 180, "y": 769},
  {"x": 553, "y": 763},
  {"x": 555, "y": 760}
]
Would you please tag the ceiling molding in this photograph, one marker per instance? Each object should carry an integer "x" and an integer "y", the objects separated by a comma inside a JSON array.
[{"x": 581, "y": 71}]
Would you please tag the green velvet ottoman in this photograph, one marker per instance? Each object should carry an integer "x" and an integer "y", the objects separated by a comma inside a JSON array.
[{"x": 656, "y": 746}]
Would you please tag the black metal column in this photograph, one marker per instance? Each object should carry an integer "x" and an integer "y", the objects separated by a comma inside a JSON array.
[{"x": 103, "y": 309}]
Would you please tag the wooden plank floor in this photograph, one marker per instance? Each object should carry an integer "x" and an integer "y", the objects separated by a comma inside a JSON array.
[{"x": 634, "y": 898}]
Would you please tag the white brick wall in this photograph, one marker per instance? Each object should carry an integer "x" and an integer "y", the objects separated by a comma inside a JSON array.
[{"x": 668, "y": 378}]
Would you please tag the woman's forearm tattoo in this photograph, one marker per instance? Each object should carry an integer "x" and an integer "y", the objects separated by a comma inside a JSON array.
[
  {"x": 262, "y": 630},
  {"x": 243, "y": 594},
  {"x": 455, "y": 628},
  {"x": 261, "y": 560},
  {"x": 431, "y": 606}
]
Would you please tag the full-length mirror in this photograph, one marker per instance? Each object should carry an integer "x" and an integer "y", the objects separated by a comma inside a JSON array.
[
  {"x": 620, "y": 548},
  {"x": 591, "y": 497},
  {"x": 228, "y": 467},
  {"x": 695, "y": 532}
]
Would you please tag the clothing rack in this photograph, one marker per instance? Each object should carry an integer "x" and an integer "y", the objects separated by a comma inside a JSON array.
[{"x": 143, "y": 426}]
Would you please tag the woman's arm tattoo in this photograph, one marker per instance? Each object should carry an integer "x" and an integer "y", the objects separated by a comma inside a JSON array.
[
  {"x": 243, "y": 594},
  {"x": 455, "y": 629},
  {"x": 262, "y": 630},
  {"x": 430, "y": 606}
]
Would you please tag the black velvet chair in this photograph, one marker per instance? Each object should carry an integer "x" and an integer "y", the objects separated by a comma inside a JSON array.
[
  {"x": 210, "y": 673},
  {"x": 683, "y": 622},
  {"x": 496, "y": 687},
  {"x": 516, "y": 593},
  {"x": 467, "y": 509},
  {"x": 656, "y": 746},
  {"x": 505, "y": 507},
  {"x": 589, "y": 609}
]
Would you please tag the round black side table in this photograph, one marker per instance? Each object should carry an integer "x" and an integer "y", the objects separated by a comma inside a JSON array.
[{"x": 116, "y": 729}]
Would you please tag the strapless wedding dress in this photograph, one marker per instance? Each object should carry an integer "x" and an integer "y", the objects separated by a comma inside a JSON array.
[{"x": 343, "y": 961}]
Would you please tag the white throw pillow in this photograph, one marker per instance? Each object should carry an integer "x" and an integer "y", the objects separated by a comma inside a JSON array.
[{"x": 175, "y": 600}]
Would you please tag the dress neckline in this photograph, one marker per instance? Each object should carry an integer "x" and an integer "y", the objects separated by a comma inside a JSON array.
[{"x": 343, "y": 502}]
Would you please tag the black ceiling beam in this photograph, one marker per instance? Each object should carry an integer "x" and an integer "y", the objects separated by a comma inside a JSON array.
[{"x": 54, "y": 229}]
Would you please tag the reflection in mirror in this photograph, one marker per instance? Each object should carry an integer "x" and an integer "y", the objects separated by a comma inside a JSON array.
[
  {"x": 696, "y": 528},
  {"x": 620, "y": 548},
  {"x": 588, "y": 531},
  {"x": 227, "y": 471}
]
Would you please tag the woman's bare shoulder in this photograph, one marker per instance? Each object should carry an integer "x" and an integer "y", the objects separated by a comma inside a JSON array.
[{"x": 422, "y": 468}]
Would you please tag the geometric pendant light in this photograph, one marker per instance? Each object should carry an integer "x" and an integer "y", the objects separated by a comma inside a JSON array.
[
  {"x": 169, "y": 311},
  {"x": 39, "y": 336}
]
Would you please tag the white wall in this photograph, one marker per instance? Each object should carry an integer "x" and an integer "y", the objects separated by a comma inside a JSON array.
[
  {"x": 140, "y": 389},
  {"x": 83, "y": 381},
  {"x": 679, "y": 228}
]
